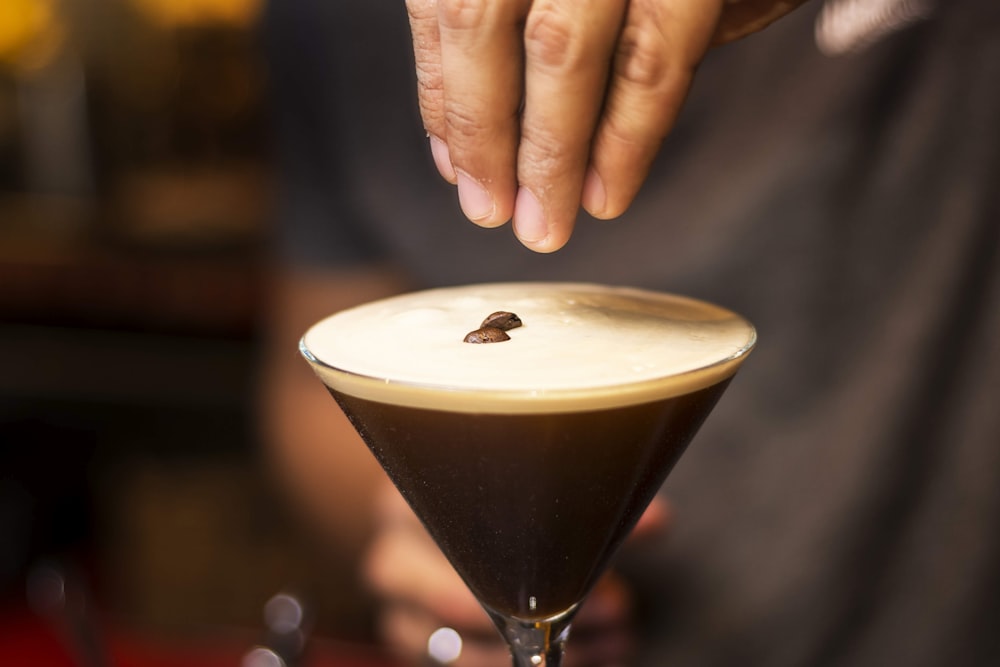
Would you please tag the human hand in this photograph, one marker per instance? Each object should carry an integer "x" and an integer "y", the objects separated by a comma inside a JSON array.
[
  {"x": 536, "y": 107},
  {"x": 421, "y": 593}
]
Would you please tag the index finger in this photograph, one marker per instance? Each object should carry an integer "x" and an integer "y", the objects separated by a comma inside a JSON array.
[
  {"x": 482, "y": 71},
  {"x": 430, "y": 82}
]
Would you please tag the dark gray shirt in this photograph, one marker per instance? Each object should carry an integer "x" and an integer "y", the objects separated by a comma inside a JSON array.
[{"x": 842, "y": 505}]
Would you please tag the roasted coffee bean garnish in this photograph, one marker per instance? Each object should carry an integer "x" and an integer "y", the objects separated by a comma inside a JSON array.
[
  {"x": 502, "y": 320},
  {"x": 487, "y": 335},
  {"x": 494, "y": 328}
]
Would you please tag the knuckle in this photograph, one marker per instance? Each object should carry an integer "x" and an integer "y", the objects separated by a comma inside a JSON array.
[
  {"x": 550, "y": 39},
  {"x": 462, "y": 122},
  {"x": 463, "y": 14},
  {"x": 620, "y": 131},
  {"x": 542, "y": 156},
  {"x": 642, "y": 57},
  {"x": 421, "y": 9},
  {"x": 430, "y": 96},
  {"x": 430, "y": 113},
  {"x": 429, "y": 77}
]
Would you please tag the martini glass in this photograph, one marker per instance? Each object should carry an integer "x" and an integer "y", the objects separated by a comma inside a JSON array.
[{"x": 529, "y": 459}]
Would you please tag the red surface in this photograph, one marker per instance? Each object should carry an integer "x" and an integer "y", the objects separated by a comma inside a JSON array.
[{"x": 28, "y": 641}]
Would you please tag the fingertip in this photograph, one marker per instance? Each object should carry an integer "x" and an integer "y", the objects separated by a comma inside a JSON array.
[
  {"x": 594, "y": 197},
  {"x": 529, "y": 218},
  {"x": 549, "y": 245},
  {"x": 533, "y": 227},
  {"x": 606, "y": 199},
  {"x": 477, "y": 202},
  {"x": 442, "y": 159}
]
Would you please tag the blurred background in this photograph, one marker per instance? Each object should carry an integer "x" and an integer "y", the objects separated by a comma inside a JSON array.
[{"x": 135, "y": 197}]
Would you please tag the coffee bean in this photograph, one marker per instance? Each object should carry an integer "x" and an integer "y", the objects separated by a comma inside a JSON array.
[
  {"x": 502, "y": 320},
  {"x": 487, "y": 335}
]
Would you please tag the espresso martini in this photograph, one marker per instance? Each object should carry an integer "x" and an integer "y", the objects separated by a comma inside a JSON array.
[{"x": 529, "y": 458}]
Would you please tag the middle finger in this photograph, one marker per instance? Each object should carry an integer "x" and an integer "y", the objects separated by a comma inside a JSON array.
[{"x": 568, "y": 48}]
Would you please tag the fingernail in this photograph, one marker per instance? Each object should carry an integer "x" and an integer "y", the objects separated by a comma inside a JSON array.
[
  {"x": 442, "y": 159},
  {"x": 595, "y": 197},
  {"x": 529, "y": 219},
  {"x": 476, "y": 202}
]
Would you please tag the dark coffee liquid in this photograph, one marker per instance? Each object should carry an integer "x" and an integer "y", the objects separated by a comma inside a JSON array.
[{"x": 529, "y": 507}]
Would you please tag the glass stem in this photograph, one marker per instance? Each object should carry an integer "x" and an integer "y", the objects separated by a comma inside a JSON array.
[{"x": 535, "y": 643}]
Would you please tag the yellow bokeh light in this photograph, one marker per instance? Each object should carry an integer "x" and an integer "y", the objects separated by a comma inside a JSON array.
[
  {"x": 30, "y": 33},
  {"x": 193, "y": 13}
]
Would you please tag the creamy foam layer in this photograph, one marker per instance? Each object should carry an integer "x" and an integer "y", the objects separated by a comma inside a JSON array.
[{"x": 581, "y": 347}]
